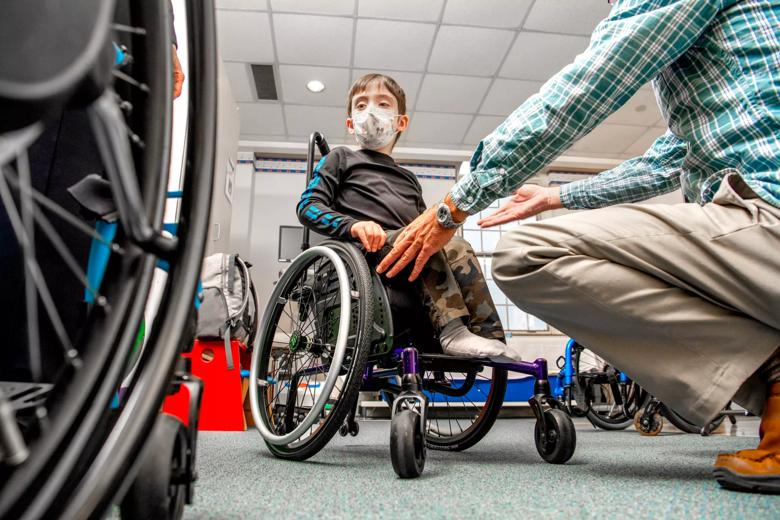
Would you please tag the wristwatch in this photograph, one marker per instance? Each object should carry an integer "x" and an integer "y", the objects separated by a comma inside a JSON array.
[{"x": 444, "y": 217}]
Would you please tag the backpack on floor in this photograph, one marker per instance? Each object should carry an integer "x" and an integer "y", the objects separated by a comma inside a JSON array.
[{"x": 229, "y": 307}]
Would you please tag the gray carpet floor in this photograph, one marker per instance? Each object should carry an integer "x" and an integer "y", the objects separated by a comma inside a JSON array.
[{"x": 612, "y": 474}]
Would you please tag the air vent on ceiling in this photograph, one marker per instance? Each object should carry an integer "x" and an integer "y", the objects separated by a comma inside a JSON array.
[{"x": 265, "y": 83}]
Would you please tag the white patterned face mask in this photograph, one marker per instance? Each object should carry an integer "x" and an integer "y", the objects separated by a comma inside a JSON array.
[{"x": 374, "y": 127}]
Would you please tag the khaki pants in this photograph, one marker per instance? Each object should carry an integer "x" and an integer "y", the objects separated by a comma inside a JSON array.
[{"x": 684, "y": 298}]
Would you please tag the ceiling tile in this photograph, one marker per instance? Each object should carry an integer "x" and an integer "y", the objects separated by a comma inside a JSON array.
[
  {"x": 340, "y": 7},
  {"x": 244, "y": 36},
  {"x": 241, "y": 83},
  {"x": 261, "y": 118},
  {"x": 507, "y": 94},
  {"x": 313, "y": 40},
  {"x": 640, "y": 110},
  {"x": 438, "y": 128},
  {"x": 303, "y": 120},
  {"x": 415, "y": 10},
  {"x": 489, "y": 13},
  {"x": 469, "y": 50},
  {"x": 641, "y": 145},
  {"x": 460, "y": 94},
  {"x": 482, "y": 126},
  {"x": 581, "y": 16},
  {"x": 392, "y": 45},
  {"x": 538, "y": 56},
  {"x": 293, "y": 79},
  {"x": 609, "y": 138},
  {"x": 245, "y": 5},
  {"x": 409, "y": 81}
]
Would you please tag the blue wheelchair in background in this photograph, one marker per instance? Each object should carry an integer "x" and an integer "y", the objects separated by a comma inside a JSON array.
[
  {"x": 332, "y": 328},
  {"x": 590, "y": 387}
]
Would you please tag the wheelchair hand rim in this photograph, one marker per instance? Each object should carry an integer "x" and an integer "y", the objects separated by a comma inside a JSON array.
[{"x": 337, "y": 360}]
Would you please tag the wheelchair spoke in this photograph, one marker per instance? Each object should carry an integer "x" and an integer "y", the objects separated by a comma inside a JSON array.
[
  {"x": 72, "y": 264},
  {"x": 35, "y": 275},
  {"x": 143, "y": 87},
  {"x": 63, "y": 214},
  {"x": 128, "y": 29},
  {"x": 31, "y": 298}
]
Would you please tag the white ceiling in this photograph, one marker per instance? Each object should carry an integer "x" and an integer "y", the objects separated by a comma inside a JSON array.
[{"x": 464, "y": 64}]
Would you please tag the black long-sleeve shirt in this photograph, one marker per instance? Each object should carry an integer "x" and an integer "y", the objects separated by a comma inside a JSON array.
[{"x": 349, "y": 186}]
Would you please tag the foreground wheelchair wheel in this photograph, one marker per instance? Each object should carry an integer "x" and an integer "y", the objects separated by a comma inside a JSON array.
[
  {"x": 558, "y": 444},
  {"x": 407, "y": 446},
  {"x": 312, "y": 348},
  {"x": 462, "y": 406},
  {"x": 75, "y": 439}
]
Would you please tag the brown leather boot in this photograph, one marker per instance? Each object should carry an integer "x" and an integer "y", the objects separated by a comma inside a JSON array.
[{"x": 758, "y": 470}]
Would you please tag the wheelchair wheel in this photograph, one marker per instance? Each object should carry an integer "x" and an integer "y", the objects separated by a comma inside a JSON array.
[
  {"x": 157, "y": 491},
  {"x": 314, "y": 340},
  {"x": 648, "y": 425},
  {"x": 686, "y": 426},
  {"x": 74, "y": 446},
  {"x": 462, "y": 406},
  {"x": 407, "y": 446},
  {"x": 560, "y": 442},
  {"x": 599, "y": 389}
]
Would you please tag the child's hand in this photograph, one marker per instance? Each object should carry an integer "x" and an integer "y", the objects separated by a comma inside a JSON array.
[{"x": 370, "y": 234}]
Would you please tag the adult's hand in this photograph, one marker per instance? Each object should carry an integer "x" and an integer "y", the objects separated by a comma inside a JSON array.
[
  {"x": 420, "y": 239},
  {"x": 178, "y": 75},
  {"x": 527, "y": 201},
  {"x": 370, "y": 234}
]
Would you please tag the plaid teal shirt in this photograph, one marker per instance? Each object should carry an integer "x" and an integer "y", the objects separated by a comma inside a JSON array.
[{"x": 715, "y": 66}]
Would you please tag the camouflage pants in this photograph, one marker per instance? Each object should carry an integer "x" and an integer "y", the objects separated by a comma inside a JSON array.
[{"x": 453, "y": 287}]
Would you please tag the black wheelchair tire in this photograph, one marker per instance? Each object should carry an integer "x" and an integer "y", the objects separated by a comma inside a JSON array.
[
  {"x": 617, "y": 423},
  {"x": 356, "y": 264},
  {"x": 682, "y": 424},
  {"x": 605, "y": 424},
  {"x": 154, "y": 494},
  {"x": 481, "y": 425},
  {"x": 77, "y": 467},
  {"x": 407, "y": 446},
  {"x": 562, "y": 447}
]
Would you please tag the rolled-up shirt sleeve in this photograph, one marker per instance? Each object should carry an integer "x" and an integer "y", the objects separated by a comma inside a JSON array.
[{"x": 630, "y": 47}]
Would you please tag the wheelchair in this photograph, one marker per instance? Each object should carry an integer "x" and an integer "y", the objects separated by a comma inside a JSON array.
[
  {"x": 80, "y": 426},
  {"x": 333, "y": 328}
]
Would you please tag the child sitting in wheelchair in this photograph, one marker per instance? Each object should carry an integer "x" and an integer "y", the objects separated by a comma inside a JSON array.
[{"x": 364, "y": 195}]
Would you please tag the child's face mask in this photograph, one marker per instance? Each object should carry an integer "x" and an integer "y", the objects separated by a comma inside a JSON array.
[{"x": 374, "y": 127}]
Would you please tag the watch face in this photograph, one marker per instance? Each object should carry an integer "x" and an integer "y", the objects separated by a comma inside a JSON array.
[{"x": 441, "y": 213}]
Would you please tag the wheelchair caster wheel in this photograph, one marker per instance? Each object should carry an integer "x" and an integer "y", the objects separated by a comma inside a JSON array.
[
  {"x": 352, "y": 428},
  {"x": 558, "y": 444},
  {"x": 648, "y": 425},
  {"x": 158, "y": 490},
  {"x": 407, "y": 445}
]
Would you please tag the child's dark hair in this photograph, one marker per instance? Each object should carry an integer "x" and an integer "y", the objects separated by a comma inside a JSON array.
[{"x": 385, "y": 81}]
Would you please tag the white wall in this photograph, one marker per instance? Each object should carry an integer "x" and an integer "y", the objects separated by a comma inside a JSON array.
[
  {"x": 228, "y": 127},
  {"x": 243, "y": 198}
]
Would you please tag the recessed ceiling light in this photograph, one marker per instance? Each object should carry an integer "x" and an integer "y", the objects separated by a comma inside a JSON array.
[{"x": 315, "y": 86}]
